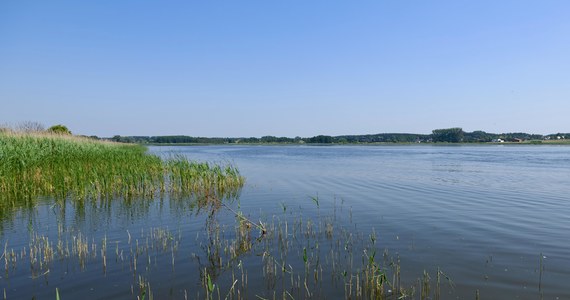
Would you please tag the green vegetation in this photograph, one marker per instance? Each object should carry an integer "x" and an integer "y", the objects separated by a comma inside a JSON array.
[
  {"x": 446, "y": 135},
  {"x": 62, "y": 166},
  {"x": 293, "y": 257},
  {"x": 59, "y": 129},
  {"x": 449, "y": 135}
]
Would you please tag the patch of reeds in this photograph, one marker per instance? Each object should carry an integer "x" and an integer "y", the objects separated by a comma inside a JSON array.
[
  {"x": 63, "y": 167},
  {"x": 76, "y": 250},
  {"x": 288, "y": 256},
  {"x": 303, "y": 258}
]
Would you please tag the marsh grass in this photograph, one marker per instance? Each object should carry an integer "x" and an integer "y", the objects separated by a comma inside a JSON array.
[
  {"x": 295, "y": 257},
  {"x": 76, "y": 251},
  {"x": 68, "y": 167},
  {"x": 304, "y": 258}
]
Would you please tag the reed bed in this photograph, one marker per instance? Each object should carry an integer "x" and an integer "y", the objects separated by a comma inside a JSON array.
[
  {"x": 75, "y": 252},
  {"x": 287, "y": 256},
  {"x": 68, "y": 167},
  {"x": 305, "y": 258}
]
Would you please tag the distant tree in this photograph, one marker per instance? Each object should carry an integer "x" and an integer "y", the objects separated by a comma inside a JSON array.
[
  {"x": 59, "y": 129},
  {"x": 478, "y": 136},
  {"x": 30, "y": 127},
  {"x": 321, "y": 139},
  {"x": 268, "y": 139},
  {"x": 449, "y": 135}
]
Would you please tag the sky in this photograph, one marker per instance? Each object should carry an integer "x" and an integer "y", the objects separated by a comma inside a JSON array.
[{"x": 285, "y": 68}]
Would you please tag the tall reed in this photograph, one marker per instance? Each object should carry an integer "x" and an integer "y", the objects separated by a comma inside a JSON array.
[{"x": 64, "y": 167}]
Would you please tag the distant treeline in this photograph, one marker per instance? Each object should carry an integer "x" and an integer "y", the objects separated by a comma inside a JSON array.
[{"x": 448, "y": 135}]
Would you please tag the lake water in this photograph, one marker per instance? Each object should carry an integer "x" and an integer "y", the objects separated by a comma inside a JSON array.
[{"x": 484, "y": 215}]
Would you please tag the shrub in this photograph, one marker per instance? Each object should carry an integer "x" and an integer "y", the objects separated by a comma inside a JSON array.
[{"x": 59, "y": 129}]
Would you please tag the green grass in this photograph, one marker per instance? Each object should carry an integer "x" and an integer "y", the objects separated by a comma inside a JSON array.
[
  {"x": 294, "y": 258},
  {"x": 63, "y": 167}
]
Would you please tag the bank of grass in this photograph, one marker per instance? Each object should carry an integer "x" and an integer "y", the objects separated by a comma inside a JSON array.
[{"x": 64, "y": 166}]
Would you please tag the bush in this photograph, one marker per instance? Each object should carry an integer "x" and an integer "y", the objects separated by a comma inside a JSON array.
[{"x": 59, "y": 129}]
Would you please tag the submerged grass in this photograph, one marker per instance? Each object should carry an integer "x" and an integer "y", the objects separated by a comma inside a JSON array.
[
  {"x": 291, "y": 258},
  {"x": 33, "y": 165},
  {"x": 291, "y": 255},
  {"x": 303, "y": 258}
]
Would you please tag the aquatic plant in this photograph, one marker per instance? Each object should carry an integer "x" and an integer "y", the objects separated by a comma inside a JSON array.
[
  {"x": 69, "y": 167},
  {"x": 294, "y": 258}
]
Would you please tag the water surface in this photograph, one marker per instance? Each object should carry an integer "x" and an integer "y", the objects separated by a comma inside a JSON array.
[{"x": 483, "y": 214}]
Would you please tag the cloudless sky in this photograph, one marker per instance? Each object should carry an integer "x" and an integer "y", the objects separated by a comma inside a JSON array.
[{"x": 286, "y": 68}]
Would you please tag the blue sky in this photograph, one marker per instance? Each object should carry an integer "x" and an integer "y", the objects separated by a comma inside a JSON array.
[{"x": 285, "y": 68}]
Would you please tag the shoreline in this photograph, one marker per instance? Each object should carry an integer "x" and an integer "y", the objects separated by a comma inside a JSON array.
[{"x": 525, "y": 143}]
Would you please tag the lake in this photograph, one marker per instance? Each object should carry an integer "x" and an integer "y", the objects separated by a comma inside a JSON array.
[{"x": 492, "y": 218}]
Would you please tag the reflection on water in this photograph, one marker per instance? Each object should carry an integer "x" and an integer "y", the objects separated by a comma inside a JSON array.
[{"x": 482, "y": 214}]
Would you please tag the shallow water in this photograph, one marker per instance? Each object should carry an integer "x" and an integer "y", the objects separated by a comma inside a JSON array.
[{"x": 483, "y": 214}]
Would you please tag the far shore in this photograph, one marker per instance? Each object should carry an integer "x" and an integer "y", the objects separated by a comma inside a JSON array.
[{"x": 526, "y": 143}]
